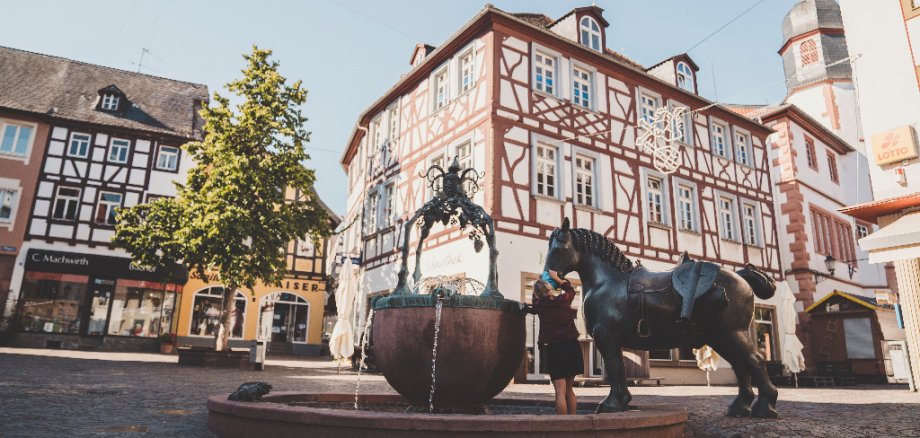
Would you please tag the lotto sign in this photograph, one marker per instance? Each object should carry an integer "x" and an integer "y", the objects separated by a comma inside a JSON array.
[{"x": 894, "y": 146}]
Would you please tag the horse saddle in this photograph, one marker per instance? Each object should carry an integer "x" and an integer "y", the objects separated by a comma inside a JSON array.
[{"x": 689, "y": 278}]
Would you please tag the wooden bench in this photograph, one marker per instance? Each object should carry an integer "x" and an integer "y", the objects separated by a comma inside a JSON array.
[{"x": 637, "y": 380}]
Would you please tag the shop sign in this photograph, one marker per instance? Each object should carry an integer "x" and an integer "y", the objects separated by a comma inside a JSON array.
[
  {"x": 38, "y": 260},
  {"x": 895, "y": 145},
  {"x": 8, "y": 248},
  {"x": 304, "y": 285}
]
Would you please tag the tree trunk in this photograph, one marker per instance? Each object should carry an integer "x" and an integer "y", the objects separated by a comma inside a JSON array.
[{"x": 226, "y": 312}]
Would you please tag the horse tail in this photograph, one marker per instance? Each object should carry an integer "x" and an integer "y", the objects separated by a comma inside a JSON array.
[{"x": 762, "y": 284}]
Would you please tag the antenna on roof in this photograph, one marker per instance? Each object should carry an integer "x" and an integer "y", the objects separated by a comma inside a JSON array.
[{"x": 140, "y": 64}]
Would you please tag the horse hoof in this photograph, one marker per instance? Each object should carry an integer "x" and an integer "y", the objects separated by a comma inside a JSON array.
[
  {"x": 737, "y": 411},
  {"x": 763, "y": 410}
]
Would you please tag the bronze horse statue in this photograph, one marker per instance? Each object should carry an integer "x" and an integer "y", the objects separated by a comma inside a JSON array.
[{"x": 627, "y": 306}]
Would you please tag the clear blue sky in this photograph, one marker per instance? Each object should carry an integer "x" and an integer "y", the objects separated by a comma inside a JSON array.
[{"x": 348, "y": 52}]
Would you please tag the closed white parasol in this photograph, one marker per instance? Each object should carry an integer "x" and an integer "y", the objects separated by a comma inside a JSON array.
[
  {"x": 341, "y": 343},
  {"x": 793, "y": 359},
  {"x": 707, "y": 360}
]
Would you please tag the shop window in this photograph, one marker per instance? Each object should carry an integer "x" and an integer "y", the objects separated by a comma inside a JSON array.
[
  {"x": 284, "y": 317},
  {"x": 141, "y": 310},
  {"x": 858, "y": 332},
  {"x": 206, "y": 313},
  {"x": 660, "y": 354},
  {"x": 52, "y": 303},
  {"x": 765, "y": 332}
]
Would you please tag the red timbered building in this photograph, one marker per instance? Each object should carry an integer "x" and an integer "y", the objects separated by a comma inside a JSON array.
[
  {"x": 113, "y": 141},
  {"x": 550, "y": 116}
]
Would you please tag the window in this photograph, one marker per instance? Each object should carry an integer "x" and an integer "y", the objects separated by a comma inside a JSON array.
[
  {"x": 7, "y": 203},
  {"x": 810, "y": 155},
  {"x": 808, "y": 51},
  {"x": 168, "y": 158},
  {"x": 727, "y": 218},
  {"x": 858, "y": 335},
  {"x": 140, "y": 310},
  {"x": 546, "y": 170},
  {"x": 370, "y": 213},
  {"x": 655, "y": 199},
  {"x": 680, "y": 129},
  {"x": 464, "y": 153},
  {"x": 393, "y": 118},
  {"x": 862, "y": 230},
  {"x": 79, "y": 145},
  {"x": 647, "y": 106},
  {"x": 105, "y": 210},
  {"x": 110, "y": 102},
  {"x": 686, "y": 212},
  {"x": 743, "y": 147},
  {"x": 545, "y": 72},
  {"x": 765, "y": 332},
  {"x": 581, "y": 87},
  {"x": 118, "y": 151},
  {"x": 15, "y": 140},
  {"x": 749, "y": 223},
  {"x": 584, "y": 180},
  {"x": 832, "y": 167},
  {"x": 466, "y": 71},
  {"x": 685, "y": 77},
  {"x": 441, "y": 161},
  {"x": 66, "y": 203},
  {"x": 52, "y": 303},
  {"x": 719, "y": 146},
  {"x": 660, "y": 354},
  {"x": 389, "y": 206},
  {"x": 441, "y": 89},
  {"x": 206, "y": 313},
  {"x": 590, "y": 33},
  {"x": 832, "y": 236}
]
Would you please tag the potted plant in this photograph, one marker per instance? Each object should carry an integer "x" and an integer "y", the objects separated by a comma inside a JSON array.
[{"x": 168, "y": 343}]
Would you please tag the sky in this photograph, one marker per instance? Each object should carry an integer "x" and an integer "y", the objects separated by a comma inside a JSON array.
[{"x": 349, "y": 52}]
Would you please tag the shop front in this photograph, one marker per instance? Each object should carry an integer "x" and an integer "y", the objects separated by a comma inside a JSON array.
[
  {"x": 289, "y": 316},
  {"x": 87, "y": 301}
]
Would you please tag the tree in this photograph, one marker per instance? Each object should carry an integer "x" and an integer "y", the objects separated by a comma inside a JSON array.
[{"x": 247, "y": 196}]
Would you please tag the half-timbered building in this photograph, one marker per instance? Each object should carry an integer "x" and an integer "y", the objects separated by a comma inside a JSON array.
[
  {"x": 113, "y": 140},
  {"x": 550, "y": 117}
]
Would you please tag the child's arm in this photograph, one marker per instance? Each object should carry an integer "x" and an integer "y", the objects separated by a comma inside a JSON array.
[{"x": 569, "y": 294}]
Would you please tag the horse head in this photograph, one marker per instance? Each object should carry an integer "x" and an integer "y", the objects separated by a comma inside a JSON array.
[{"x": 562, "y": 256}]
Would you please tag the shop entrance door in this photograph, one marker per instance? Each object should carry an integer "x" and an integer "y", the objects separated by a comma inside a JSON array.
[
  {"x": 96, "y": 319},
  {"x": 284, "y": 319}
]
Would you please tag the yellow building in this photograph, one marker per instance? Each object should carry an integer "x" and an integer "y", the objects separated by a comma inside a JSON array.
[{"x": 289, "y": 315}]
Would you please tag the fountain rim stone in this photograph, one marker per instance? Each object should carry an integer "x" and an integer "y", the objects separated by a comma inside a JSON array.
[{"x": 453, "y": 301}]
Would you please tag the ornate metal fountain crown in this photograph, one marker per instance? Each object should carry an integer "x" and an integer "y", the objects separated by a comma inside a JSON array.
[{"x": 454, "y": 182}]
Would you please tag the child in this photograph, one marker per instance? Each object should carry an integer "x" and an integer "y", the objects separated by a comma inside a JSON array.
[{"x": 559, "y": 337}]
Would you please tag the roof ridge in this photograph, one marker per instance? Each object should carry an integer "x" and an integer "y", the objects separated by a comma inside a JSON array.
[{"x": 102, "y": 66}]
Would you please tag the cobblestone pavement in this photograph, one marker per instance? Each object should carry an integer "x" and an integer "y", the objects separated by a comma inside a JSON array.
[{"x": 51, "y": 393}]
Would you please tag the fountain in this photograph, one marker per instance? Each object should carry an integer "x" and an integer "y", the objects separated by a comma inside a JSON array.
[{"x": 447, "y": 353}]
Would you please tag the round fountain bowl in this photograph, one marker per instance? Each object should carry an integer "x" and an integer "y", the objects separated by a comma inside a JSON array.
[{"x": 480, "y": 347}]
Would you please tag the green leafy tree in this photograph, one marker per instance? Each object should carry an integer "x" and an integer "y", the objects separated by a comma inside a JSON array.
[{"x": 245, "y": 199}]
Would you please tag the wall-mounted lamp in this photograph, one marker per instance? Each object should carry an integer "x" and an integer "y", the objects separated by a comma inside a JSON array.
[
  {"x": 831, "y": 264},
  {"x": 851, "y": 266}
]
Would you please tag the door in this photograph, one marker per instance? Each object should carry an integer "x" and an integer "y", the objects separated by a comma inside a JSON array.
[
  {"x": 898, "y": 354},
  {"x": 536, "y": 366},
  {"x": 97, "y": 309}
]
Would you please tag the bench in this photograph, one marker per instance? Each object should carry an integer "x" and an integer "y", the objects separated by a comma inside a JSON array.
[{"x": 637, "y": 380}]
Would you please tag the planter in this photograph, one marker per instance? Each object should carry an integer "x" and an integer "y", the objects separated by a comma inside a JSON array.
[
  {"x": 208, "y": 357},
  {"x": 167, "y": 349}
]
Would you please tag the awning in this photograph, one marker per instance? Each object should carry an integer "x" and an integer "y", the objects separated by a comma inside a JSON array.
[{"x": 898, "y": 240}]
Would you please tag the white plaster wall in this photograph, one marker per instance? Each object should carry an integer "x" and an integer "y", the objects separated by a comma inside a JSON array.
[{"x": 568, "y": 28}]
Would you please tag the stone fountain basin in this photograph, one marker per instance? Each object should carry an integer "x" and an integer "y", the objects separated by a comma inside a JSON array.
[
  {"x": 278, "y": 415},
  {"x": 480, "y": 347}
]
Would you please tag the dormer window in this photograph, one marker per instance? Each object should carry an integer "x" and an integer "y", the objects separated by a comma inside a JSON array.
[
  {"x": 590, "y": 33},
  {"x": 110, "y": 102},
  {"x": 685, "y": 77}
]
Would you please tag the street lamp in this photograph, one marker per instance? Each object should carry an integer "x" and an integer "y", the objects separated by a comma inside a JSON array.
[{"x": 831, "y": 264}]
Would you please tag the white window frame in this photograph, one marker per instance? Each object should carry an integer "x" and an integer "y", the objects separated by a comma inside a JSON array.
[
  {"x": 735, "y": 225},
  {"x": 110, "y": 101},
  {"x": 746, "y": 156},
  {"x": 860, "y": 234},
  {"x": 726, "y": 139},
  {"x": 757, "y": 238},
  {"x": 127, "y": 150},
  {"x": 7, "y": 124},
  {"x": 687, "y": 122},
  {"x": 10, "y": 193},
  {"x": 175, "y": 158},
  {"x": 544, "y": 142},
  {"x": 467, "y": 161},
  {"x": 665, "y": 196},
  {"x": 579, "y": 85},
  {"x": 371, "y": 218},
  {"x": 438, "y": 85},
  {"x": 642, "y": 107},
  {"x": 578, "y": 153},
  {"x": 392, "y": 123},
  {"x": 68, "y": 199},
  {"x": 433, "y": 159},
  {"x": 389, "y": 203},
  {"x": 685, "y": 78},
  {"x": 466, "y": 77},
  {"x": 588, "y": 27},
  {"x": 556, "y": 58},
  {"x": 694, "y": 205},
  {"x": 108, "y": 206},
  {"x": 70, "y": 141}
]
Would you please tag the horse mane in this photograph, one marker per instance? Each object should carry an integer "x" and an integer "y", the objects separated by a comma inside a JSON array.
[{"x": 597, "y": 244}]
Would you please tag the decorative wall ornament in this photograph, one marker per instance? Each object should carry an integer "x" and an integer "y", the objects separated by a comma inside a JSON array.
[{"x": 661, "y": 136}]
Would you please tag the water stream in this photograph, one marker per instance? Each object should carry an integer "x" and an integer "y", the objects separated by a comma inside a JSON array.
[
  {"x": 367, "y": 327},
  {"x": 434, "y": 352}
]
